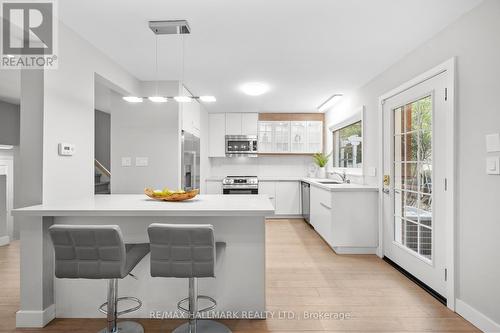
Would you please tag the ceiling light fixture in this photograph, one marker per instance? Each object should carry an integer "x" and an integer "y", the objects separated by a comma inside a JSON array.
[
  {"x": 208, "y": 99},
  {"x": 6, "y": 147},
  {"x": 132, "y": 99},
  {"x": 255, "y": 88},
  {"x": 183, "y": 99},
  {"x": 329, "y": 103},
  {"x": 171, "y": 27},
  {"x": 158, "y": 99}
]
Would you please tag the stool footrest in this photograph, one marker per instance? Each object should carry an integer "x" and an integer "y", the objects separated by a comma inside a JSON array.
[
  {"x": 132, "y": 309},
  {"x": 208, "y": 308}
]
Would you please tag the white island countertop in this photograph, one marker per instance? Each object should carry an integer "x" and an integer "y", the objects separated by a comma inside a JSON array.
[{"x": 141, "y": 205}]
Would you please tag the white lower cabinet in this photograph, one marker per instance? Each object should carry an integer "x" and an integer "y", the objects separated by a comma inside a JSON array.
[
  {"x": 347, "y": 220},
  {"x": 285, "y": 196},
  {"x": 288, "y": 198},
  {"x": 268, "y": 188}
]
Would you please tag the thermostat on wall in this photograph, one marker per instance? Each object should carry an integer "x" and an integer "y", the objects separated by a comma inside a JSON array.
[{"x": 66, "y": 149}]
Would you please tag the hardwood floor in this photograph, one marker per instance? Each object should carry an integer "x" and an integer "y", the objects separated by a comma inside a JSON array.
[{"x": 304, "y": 276}]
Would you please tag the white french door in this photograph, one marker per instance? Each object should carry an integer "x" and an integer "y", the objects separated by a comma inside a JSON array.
[{"x": 415, "y": 163}]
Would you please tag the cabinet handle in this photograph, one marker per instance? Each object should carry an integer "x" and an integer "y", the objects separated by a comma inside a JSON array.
[{"x": 325, "y": 205}]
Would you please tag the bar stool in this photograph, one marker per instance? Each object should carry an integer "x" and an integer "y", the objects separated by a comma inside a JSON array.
[
  {"x": 187, "y": 251},
  {"x": 98, "y": 252}
]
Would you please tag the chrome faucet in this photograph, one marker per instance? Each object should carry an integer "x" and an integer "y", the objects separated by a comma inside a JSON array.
[{"x": 343, "y": 176}]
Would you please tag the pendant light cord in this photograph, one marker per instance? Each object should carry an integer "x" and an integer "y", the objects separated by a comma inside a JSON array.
[
  {"x": 156, "y": 64},
  {"x": 183, "y": 61}
]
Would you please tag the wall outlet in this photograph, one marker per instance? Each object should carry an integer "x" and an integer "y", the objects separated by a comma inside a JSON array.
[
  {"x": 141, "y": 161},
  {"x": 493, "y": 165},
  {"x": 126, "y": 161},
  {"x": 492, "y": 143}
]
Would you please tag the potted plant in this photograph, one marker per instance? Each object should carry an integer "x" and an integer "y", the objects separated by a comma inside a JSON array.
[{"x": 321, "y": 159}]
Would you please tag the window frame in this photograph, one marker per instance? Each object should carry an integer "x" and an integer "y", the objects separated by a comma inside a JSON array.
[{"x": 358, "y": 116}]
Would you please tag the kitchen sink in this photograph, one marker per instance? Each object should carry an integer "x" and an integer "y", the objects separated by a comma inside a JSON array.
[{"x": 329, "y": 182}]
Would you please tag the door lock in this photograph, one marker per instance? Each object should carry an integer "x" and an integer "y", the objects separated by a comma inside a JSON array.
[{"x": 387, "y": 180}]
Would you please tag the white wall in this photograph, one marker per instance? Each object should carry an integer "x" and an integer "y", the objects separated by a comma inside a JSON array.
[
  {"x": 263, "y": 166},
  {"x": 149, "y": 130},
  {"x": 474, "y": 40},
  {"x": 9, "y": 123},
  {"x": 68, "y": 106}
]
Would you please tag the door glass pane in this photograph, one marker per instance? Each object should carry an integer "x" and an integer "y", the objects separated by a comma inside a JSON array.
[
  {"x": 411, "y": 147},
  {"x": 399, "y": 148},
  {"x": 410, "y": 208},
  {"x": 411, "y": 235},
  {"x": 425, "y": 178},
  {"x": 413, "y": 176},
  {"x": 425, "y": 240}
]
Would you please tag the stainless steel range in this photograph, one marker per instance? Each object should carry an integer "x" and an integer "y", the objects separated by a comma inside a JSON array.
[{"x": 240, "y": 185}]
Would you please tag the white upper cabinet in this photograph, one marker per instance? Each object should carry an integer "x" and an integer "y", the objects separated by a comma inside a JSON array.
[
  {"x": 281, "y": 136},
  {"x": 216, "y": 135},
  {"x": 314, "y": 136},
  {"x": 290, "y": 137},
  {"x": 298, "y": 136},
  {"x": 249, "y": 122},
  {"x": 266, "y": 140},
  {"x": 233, "y": 123},
  {"x": 241, "y": 123}
]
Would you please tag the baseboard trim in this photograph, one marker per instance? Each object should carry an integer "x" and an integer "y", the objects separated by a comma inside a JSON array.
[
  {"x": 354, "y": 250},
  {"x": 4, "y": 240},
  {"x": 476, "y": 318},
  {"x": 25, "y": 319}
]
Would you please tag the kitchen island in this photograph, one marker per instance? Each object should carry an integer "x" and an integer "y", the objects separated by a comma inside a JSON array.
[{"x": 239, "y": 221}]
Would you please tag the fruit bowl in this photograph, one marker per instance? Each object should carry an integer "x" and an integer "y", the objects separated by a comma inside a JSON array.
[{"x": 171, "y": 196}]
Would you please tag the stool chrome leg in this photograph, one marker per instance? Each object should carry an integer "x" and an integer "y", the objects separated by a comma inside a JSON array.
[
  {"x": 112, "y": 314},
  {"x": 193, "y": 304},
  {"x": 198, "y": 326}
]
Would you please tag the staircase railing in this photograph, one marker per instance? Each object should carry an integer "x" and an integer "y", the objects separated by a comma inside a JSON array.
[{"x": 102, "y": 168}]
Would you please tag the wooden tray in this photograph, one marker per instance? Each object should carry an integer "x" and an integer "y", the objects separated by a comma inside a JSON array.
[{"x": 172, "y": 197}]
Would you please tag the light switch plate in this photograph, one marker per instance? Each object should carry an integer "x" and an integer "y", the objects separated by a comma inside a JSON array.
[
  {"x": 66, "y": 149},
  {"x": 126, "y": 161},
  {"x": 492, "y": 143},
  {"x": 371, "y": 171},
  {"x": 141, "y": 161},
  {"x": 493, "y": 165}
]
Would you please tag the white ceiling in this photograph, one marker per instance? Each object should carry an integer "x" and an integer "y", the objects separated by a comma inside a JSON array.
[{"x": 306, "y": 50}]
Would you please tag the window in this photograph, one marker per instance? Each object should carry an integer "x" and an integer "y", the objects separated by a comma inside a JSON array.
[{"x": 348, "y": 146}]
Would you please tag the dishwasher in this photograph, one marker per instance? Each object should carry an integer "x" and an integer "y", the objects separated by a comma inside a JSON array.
[{"x": 306, "y": 201}]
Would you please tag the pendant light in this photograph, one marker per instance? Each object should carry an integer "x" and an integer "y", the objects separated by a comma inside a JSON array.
[{"x": 170, "y": 27}]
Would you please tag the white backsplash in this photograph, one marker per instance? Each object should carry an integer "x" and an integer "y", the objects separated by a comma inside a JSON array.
[{"x": 263, "y": 166}]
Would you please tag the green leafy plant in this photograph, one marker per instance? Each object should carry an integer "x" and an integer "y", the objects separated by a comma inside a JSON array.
[{"x": 321, "y": 159}]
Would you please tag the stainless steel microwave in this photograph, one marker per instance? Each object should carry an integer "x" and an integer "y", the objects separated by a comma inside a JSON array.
[{"x": 241, "y": 145}]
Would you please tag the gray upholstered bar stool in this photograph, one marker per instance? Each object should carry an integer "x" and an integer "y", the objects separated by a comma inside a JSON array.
[
  {"x": 187, "y": 251},
  {"x": 98, "y": 252}
]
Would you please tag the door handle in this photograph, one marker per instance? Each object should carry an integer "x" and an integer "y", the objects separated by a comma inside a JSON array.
[{"x": 386, "y": 191}]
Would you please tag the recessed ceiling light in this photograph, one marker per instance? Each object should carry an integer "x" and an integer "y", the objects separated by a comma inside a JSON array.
[
  {"x": 132, "y": 99},
  {"x": 208, "y": 99},
  {"x": 183, "y": 99},
  {"x": 255, "y": 88},
  {"x": 329, "y": 103},
  {"x": 6, "y": 147},
  {"x": 158, "y": 99}
]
